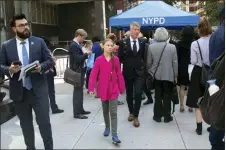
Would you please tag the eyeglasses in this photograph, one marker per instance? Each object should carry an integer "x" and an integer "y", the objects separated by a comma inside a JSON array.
[{"x": 23, "y": 25}]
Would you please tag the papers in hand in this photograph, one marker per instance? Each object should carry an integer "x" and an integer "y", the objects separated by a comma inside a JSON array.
[{"x": 27, "y": 70}]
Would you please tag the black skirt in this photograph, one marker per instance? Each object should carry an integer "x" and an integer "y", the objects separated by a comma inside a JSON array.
[
  {"x": 195, "y": 90},
  {"x": 183, "y": 76}
]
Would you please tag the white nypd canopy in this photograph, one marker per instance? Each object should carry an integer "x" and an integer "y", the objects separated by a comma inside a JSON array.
[{"x": 155, "y": 14}]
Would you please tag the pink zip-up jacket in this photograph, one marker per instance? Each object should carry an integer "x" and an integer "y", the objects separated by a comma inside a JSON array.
[{"x": 107, "y": 89}]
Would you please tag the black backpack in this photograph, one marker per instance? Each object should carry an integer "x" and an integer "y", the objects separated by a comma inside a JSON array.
[{"x": 213, "y": 107}]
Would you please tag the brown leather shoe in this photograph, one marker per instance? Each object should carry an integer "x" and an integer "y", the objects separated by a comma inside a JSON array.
[
  {"x": 136, "y": 122},
  {"x": 130, "y": 118}
]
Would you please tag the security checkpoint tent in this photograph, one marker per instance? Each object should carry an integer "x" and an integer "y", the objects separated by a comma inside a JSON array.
[{"x": 153, "y": 14}]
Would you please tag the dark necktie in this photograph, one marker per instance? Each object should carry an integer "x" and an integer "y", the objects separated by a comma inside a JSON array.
[{"x": 134, "y": 47}]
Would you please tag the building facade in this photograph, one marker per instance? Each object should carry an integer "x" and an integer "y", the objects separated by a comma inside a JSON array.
[
  {"x": 194, "y": 6},
  {"x": 56, "y": 20}
]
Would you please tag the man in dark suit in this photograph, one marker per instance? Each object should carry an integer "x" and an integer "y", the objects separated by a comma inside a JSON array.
[
  {"x": 77, "y": 64},
  {"x": 31, "y": 92},
  {"x": 50, "y": 74},
  {"x": 131, "y": 55}
]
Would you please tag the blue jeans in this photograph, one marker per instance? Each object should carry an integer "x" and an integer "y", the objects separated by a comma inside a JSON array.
[{"x": 216, "y": 139}]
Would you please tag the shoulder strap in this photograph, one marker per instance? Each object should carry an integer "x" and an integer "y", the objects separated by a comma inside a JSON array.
[
  {"x": 160, "y": 59},
  {"x": 200, "y": 50}
]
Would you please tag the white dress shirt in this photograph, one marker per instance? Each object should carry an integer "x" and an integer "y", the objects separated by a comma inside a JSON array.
[
  {"x": 84, "y": 65},
  {"x": 19, "y": 48},
  {"x": 137, "y": 43},
  {"x": 20, "y": 53}
]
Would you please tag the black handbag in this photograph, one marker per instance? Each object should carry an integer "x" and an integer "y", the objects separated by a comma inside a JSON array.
[
  {"x": 174, "y": 96},
  {"x": 73, "y": 77},
  {"x": 150, "y": 81},
  {"x": 205, "y": 71},
  {"x": 213, "y": 107}
]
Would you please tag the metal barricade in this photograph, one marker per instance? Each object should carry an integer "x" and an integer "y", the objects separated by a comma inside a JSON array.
[{"x": 62, "y": 57}]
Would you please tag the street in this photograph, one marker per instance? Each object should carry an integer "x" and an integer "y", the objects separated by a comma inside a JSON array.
[{"x": 70, "y": 133}]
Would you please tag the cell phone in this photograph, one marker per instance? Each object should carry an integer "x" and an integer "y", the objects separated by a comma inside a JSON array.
[{"x": 17, "y": 63}]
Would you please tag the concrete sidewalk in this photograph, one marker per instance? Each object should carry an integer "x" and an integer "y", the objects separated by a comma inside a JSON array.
[{"x": 70, "y": 133}]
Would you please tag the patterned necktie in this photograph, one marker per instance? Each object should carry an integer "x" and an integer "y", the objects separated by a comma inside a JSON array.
[
  {"x": 27, "y": 80},
  {"x": 134, "y": 47}
]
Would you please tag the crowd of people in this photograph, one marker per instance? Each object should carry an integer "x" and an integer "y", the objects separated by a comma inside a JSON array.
[{"x": 118, "y": 66}]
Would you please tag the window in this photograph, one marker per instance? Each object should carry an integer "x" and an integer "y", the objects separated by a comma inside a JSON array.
[
  {"x": 55, "y": 15},
  {"x": 43, "y": 13},
  {"x": 191, "y": 9},
  {"x": 38, "y": 11},
  {"x": 48, "y": 14}
]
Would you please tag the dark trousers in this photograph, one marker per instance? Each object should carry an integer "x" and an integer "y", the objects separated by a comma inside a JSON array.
[
  {"x": 138, "y": 84},
  {"x": 147, "y": 92},
  {"x": 162, "y": 106},
  {"x": 51, "y": 90},
  {"x": 40, "y": 105},
  {"x": 88, "y": 71},
  {"x": 78, "y": 98},
  {"x": 216, "y": 139}
]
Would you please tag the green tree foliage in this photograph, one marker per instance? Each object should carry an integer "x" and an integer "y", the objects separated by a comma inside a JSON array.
[{"x": 212, "y": 11}]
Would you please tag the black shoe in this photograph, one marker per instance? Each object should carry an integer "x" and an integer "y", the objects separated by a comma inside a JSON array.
[
  {"x": 208, "y": 129},
  {"x": 168, "y": 119},
  {"x": 2, "y": 95},
  {"x": 149, "y": 101},
  {"x": 80, "y": 117},
  {"x": 157, "y": 119},
  {"x": 85, "y": 112},
  {"x": 120, "y": 103},
  {"x": 58, "y": 111},
  {"x": 199, "y": 128}
]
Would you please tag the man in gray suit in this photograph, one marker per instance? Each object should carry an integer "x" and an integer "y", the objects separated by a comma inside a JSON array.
[{"x": 30, "y": 92}]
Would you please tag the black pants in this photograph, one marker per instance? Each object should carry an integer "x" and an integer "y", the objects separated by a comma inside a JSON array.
[
  {"x": 51, "y": 90},
  {"x": 216, "y": 139},
  {"x": 40, "y": 105},
  {"x": 87, "y": 76},
  {"x": 138, "y": 84},
  {"x": 78, "y": 98},
  {"x": 162, "y": 106},
  {"x": 147, "y": 92}
]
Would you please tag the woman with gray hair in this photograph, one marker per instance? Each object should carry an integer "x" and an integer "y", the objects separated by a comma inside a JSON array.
[{"x": 162, "y": 63}]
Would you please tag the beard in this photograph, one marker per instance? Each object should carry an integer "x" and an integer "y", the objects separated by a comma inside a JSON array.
[{"x": 23, "y": 35}]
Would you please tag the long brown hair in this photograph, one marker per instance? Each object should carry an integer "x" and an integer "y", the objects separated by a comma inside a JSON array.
[
  {"x": 204, "y": 27},
  {"x": 112, "y": 57}
]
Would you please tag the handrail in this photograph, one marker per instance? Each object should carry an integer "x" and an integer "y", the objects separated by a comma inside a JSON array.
[
  {"x": 61, "y": 61},
  {"x": 59, "y": 49}
]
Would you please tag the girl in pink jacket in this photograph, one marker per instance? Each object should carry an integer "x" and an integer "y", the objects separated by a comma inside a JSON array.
[{"x": 110, "y": 83}]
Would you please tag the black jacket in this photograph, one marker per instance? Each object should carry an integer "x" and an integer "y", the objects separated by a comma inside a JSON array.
[
  {"x": 77, "y": 57},
  {"x": 132, "y": 62}
]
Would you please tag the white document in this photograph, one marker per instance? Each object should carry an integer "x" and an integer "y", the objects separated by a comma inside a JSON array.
[{"x": 24, "y": 69}]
